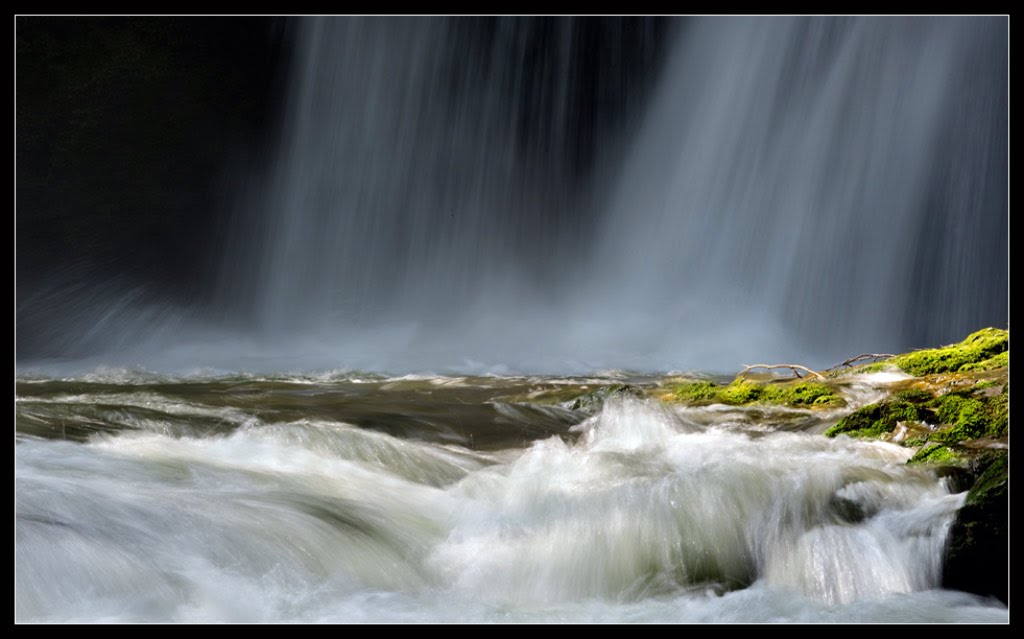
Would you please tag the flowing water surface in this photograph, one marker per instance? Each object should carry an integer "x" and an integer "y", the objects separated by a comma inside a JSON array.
[{"x": 361, "y": 498}]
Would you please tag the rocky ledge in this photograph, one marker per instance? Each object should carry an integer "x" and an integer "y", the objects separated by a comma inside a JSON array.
[{"x": 949, "y": 404}]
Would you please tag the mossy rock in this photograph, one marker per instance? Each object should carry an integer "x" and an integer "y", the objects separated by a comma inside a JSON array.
[
  {"x": 742, "y": 392},
  {"x": 937, "y": 454},
  {"x": 965, "y": 415},
  {"x": 801, "y": 393},
  {"x": 694, "y": 392},
  {"x": 985, "y": 384},
  {"x": 1002, "y": 360},
  {"x": 958, "y": 407},
  {"x": 977, "y": 551},
  {"x": 971, "y": 416},
  {"x": 876, "y": 420},
  {"x": 983, "y": 350}
]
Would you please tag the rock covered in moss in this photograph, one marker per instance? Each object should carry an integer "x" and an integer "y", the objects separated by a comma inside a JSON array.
[
  {"x": 936, "y": 454},
  {"x": 741, "y": 392},
  {"x": 965, "y": 414},
  {"x": 977, "y": 551},
  {"x": 875, "y": 420},
  {"x": 970, "y": 417},
  {"x": 999, "y": 361},
  {"x": 983, "y": 350},
  {"x": 694, "y": 392}
]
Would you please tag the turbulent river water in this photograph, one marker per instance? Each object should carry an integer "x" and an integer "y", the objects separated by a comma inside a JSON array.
[
  {"x": 495, "y": 197},
  {"x": 362, "y": 498}
]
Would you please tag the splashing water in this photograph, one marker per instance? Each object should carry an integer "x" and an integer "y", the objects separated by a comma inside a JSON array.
[
  {"x": 788, "y": 189},
  {"x": 209, "y": 499}
]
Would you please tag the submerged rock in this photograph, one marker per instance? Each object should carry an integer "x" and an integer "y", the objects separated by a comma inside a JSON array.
[{"x": 592, "y": 402}]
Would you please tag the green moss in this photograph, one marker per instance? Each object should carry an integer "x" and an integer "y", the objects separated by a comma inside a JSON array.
[
  {"x": 829, "y": 400},
  {"x": 1001, "y": 360},
  {"x": 935, "y": 454},
  {"x": 962, "y": 412},
  {"x": 997, "y": 414},
  {"x": 991, "y": 483},
  {"x": 875, "y": 420},
  {"x": 871, "y": 368},
  {"x": 742, "y": 391},
  {"x": 959, "y": 394},
  {"x": 970, "y": 417},
  {"x": 693, "y": 392},
  {"x": 979, "y": 349},
  {"x": 799, "y": 394}
]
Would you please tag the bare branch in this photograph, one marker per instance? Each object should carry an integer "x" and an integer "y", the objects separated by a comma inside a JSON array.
[
  {"x": 793, "y": 367},
  {"x": 861, "y": 357}
]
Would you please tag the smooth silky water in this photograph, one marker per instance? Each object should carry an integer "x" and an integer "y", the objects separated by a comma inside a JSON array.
[
  {"x": 352, "y": 498},
  {"x": 783, "y": 190},
  {"x": 550, "y": 196}
]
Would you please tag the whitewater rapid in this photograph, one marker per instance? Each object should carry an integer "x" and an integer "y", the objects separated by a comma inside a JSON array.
[{"x": 449, "y": 500}]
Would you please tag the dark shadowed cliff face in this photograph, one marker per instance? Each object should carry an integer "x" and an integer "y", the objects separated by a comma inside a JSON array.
[{"x": 125, "y": 130}]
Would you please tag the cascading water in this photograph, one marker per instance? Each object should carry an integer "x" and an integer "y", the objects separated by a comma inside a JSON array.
[
  {"x": 786, "y": 189},
  {"x": 801, "y": 173},
  {"x": 411, "y": 177},
  {"x": 798, "y": 188},
  {"x": 345, "y": 498}
]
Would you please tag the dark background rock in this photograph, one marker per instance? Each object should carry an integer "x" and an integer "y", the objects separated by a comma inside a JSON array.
[
  {"x": 977, "y": 557},
  {"x": 125, "y": 130}
]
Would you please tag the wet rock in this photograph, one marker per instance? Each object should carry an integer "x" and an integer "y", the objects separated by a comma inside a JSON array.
[
  {"x": 592, "y": 402},
  {"x": 977, "y": 553}
]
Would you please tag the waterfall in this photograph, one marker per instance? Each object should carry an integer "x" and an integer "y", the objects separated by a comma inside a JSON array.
[
  {"x": 423, "y": 163},
  {"x": 843, "y": 179},
  {"x": 375, "y": 416},
  {"x": 794, "y": 188}
]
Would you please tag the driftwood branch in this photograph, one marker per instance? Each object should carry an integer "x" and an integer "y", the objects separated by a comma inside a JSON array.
[
  {"x": 861, "y": 357},
  {"x": 793, "y": 367}
]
